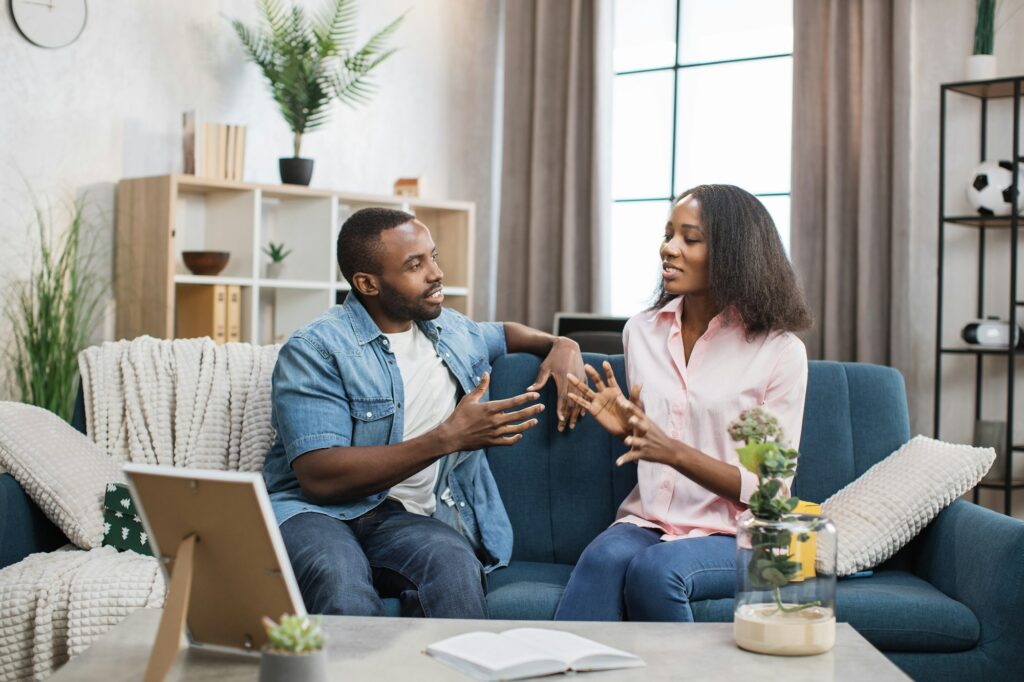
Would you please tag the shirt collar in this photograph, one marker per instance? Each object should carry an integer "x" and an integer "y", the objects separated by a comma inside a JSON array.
[
  {"x": 366, "y": 330},
  {"x": 717, "y": 323}
]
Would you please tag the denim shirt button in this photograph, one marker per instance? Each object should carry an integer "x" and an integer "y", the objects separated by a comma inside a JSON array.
[
  {"x": 369, "y": 415},
  {"x": 462, "y": 504}
]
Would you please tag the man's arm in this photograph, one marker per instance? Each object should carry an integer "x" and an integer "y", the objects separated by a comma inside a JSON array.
[
  {"x": 339, "y": 474},
  {"x": 562, "y": 358}
]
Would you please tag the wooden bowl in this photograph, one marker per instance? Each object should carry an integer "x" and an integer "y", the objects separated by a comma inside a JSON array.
[{"x": 205, "y": 262}]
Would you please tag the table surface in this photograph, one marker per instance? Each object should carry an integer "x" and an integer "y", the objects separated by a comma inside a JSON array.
[{"x": 391, "y": 648}]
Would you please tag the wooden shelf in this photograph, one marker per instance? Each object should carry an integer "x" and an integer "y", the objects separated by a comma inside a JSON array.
[
  {"x": 992, "y": 89},
  {"x": 999, "y": 222},
  {"x": 159, "y": 217},
  {"x": 983, "y": 351},
  {"x": 1015, "y": 484}
]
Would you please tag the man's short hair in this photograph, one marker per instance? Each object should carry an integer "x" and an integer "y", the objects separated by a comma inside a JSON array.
[{"x": 359, "y": 240}]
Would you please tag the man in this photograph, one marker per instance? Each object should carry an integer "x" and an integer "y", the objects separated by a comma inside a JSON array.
[{"x": 377, "y": 474}]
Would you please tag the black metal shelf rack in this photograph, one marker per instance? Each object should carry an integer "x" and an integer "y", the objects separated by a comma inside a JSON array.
[{"x": 983, "y": 91}]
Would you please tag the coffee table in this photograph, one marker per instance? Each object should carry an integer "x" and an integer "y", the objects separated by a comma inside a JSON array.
[{"x": 390, "y": 649}]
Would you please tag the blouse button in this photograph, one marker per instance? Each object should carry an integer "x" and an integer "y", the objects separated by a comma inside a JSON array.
[{"x": 369, "y": 414}]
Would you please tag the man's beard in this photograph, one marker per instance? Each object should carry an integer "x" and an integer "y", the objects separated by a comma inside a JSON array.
[{"x": 400, "y": 309}]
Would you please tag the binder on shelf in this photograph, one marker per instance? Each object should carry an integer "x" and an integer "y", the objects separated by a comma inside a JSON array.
[
  {"x": 234, "y": 313},
  {"x": 201, "y": 310}
]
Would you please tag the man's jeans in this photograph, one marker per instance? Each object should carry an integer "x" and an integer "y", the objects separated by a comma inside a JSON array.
[
  {"x": 345, "y": 567},
  {"x": 627, "y": 572}
]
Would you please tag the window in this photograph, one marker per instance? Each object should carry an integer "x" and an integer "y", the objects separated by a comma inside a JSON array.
[{"x": 703, "y": 94}]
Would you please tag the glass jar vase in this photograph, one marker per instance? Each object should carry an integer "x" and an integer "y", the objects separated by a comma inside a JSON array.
[{"x": 785, "y": 585}]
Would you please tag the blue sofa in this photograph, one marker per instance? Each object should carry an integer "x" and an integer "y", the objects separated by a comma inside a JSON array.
[{"x": 949, "y": 606}]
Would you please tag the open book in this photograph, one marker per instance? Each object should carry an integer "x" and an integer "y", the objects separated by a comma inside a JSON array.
[{"x": 527, "y": 652}]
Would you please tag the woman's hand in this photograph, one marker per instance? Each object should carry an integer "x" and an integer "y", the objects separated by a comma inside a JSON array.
[
  {"x": 603, "y": 403},
  {"x": 563, "y": 359},
  {"x": 646, "y": 440}
]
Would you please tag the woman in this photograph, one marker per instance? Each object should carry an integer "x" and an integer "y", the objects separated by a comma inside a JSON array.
[{"x": 718, "y": 340}]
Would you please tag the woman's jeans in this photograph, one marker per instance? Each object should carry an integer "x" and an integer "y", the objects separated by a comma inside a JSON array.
[
  {"x": 345, "y": 567},
  {"x": 628, "y": 573}
]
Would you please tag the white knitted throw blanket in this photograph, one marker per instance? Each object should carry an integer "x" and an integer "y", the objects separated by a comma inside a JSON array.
[{"x": 183, "y": 403}]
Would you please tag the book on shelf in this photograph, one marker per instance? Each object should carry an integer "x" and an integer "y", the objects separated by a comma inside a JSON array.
[
  {"x": 527, "y": 652},
  {"x": 234, "y": 313},
  {"x": 212, "y": 150},
  {"x": 201, "y": 310}
]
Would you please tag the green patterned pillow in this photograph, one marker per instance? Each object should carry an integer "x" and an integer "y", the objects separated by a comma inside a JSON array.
[{"x": 122, "y": 527}]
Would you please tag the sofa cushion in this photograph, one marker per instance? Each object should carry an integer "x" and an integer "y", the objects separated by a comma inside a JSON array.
[
  {"x": 854, "y": 417},
  {"x": 560, "y": 489},
  {"x": 526, "y": 590},
  {"x": 895, "y": 499},
  {"x": 64, "y": 473},
  {"x": 894, "y": 610}
]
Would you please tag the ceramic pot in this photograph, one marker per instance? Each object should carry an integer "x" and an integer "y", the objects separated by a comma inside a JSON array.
[
  {"x": 281, "y": 667},
  {"x": 295, "y": 171},
  {"x": 981, "y": 67}
]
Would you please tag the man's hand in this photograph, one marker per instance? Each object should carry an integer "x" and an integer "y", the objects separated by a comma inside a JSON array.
[
  {"x": 646, "y": 440},
  {"x": 603, "y": 403},
  {"x": 563, "y": 359},
  {"x": 475, "y": 425}
]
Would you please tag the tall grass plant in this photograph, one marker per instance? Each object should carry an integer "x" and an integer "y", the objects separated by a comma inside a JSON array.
[{"x": 52, "y": 312}]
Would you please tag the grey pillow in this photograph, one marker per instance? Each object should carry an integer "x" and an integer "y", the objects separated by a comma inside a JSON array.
[{"x": 61, "y": 470}]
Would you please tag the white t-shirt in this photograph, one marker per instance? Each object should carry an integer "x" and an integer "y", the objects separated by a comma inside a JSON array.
[{"x": 430, "y": 391}]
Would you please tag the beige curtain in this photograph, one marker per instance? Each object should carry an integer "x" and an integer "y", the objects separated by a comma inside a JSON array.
[
  {"x": 842, "y": 235},
  {"x": 555, "y": 188}
]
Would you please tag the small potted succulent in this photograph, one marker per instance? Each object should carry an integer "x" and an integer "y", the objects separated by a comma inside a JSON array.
[
  {"x": 785, "y": 559},
  {"x": 277, "y": 254},
  {"x": 295, "y": 652}
]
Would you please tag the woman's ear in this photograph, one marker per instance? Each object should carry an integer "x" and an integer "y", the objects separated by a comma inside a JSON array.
[{"x": 366, "y": 284}]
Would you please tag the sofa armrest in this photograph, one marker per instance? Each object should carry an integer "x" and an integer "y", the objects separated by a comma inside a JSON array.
[
  {"x": 24, "y": 529},
  {"x": 976, "y": 556}
]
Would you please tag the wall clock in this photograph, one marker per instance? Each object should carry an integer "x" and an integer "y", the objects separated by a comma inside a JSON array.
[{"x": 49, "y": 23}]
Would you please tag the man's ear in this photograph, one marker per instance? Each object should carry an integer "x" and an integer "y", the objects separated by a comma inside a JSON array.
[{"x": 366, "y": 284}]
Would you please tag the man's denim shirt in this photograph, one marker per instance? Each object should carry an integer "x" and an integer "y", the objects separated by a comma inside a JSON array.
[{"x": 336, "y": 384}]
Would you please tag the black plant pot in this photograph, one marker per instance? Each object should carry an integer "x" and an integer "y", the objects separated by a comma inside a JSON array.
[{"x": 295, "y": 171}]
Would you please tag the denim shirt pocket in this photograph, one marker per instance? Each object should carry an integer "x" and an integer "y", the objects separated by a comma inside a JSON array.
[
  {"x": 372, "y": 420},
  {"x": 478, "y": 367}
]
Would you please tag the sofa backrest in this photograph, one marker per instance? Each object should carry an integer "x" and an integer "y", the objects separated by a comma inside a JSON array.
[{"x": 562, "y": 489}]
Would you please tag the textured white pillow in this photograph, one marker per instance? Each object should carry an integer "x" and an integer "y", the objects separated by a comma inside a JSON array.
[
  {"x": 894, "y": 500},
  {"x": 64, "y": 473}
]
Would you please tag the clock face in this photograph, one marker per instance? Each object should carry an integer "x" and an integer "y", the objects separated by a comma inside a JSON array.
[{"x": 49, "y": 23}]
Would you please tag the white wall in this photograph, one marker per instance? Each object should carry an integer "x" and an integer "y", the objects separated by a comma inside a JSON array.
[
  {"x": 941, "y": 38},
  {"x": 109, "y": 106}
]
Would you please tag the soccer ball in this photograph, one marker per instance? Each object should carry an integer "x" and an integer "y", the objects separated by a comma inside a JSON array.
[{"x": 989, "y": 192}]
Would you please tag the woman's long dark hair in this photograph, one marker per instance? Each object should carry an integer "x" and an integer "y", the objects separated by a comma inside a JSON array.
[{"x": 747, "y": 265}]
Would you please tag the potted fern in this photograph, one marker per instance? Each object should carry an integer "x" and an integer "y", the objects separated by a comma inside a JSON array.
[
  {"x": 309, "y": 63},
  {"x": 295, "y": 652}
]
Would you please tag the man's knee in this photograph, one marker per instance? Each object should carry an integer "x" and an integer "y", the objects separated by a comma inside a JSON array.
[{"x": 449, "y": 551}]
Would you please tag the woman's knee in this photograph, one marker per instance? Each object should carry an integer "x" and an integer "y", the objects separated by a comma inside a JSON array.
[{"x": 650, "y": 575}]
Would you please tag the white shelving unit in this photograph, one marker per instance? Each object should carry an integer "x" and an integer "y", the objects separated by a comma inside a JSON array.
[{"x": 160, "y": 217}]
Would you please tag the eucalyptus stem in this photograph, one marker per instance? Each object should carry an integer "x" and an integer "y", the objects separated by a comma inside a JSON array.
[{"x": 791, "y": 609}]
